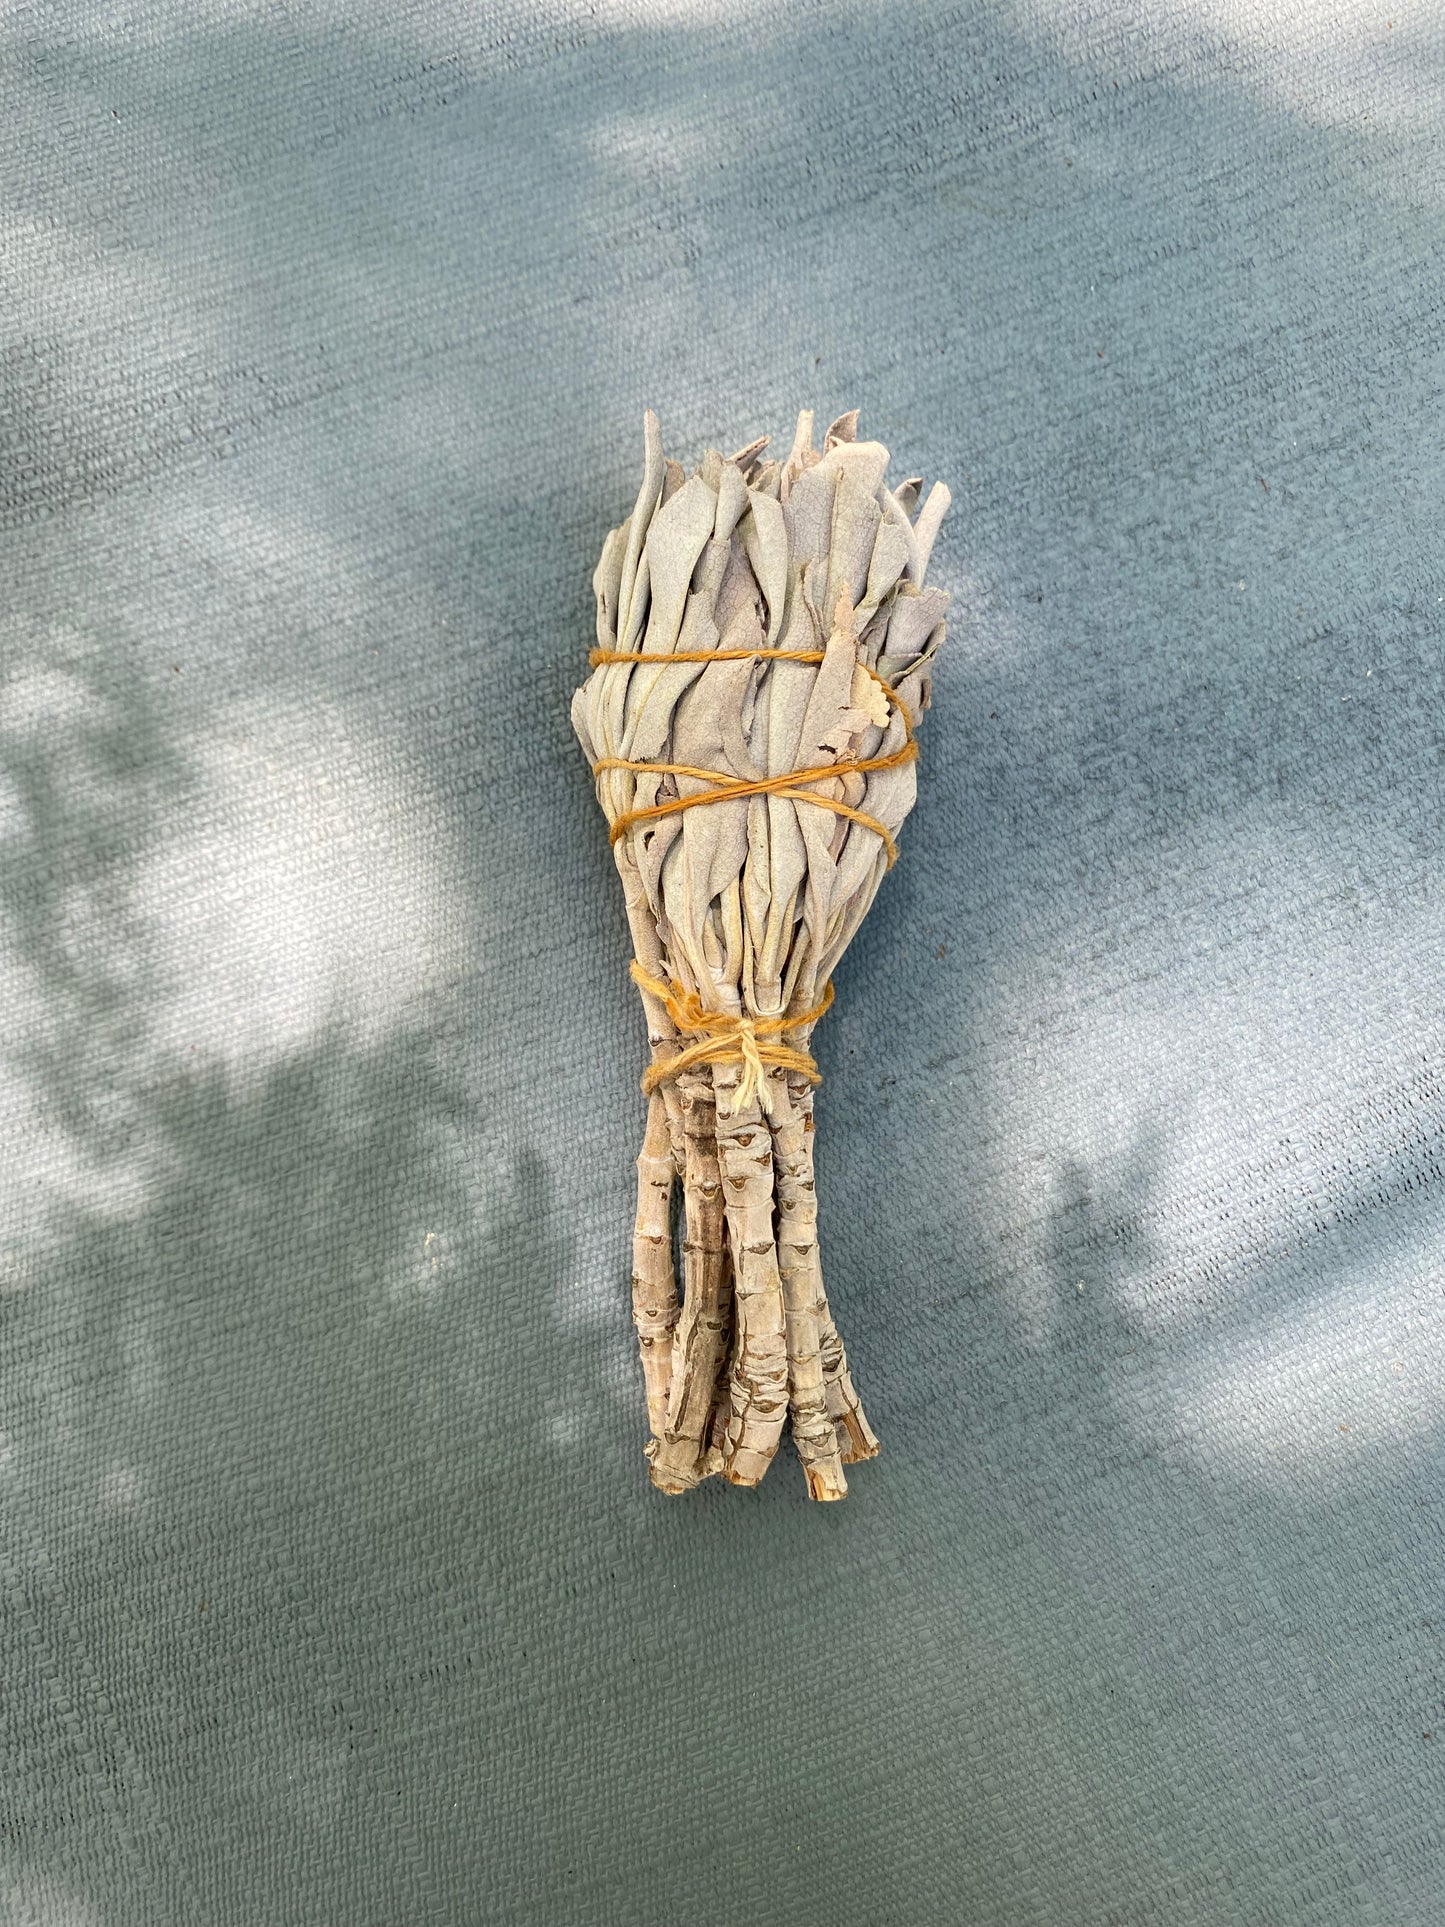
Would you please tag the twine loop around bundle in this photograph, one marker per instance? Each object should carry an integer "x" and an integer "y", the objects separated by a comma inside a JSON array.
[
  {"x": 727, "y": 1037},
  {"x": 791, "y": 784}
]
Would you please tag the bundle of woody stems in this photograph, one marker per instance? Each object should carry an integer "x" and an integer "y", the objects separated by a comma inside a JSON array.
[{"x": 764, "y": 640}]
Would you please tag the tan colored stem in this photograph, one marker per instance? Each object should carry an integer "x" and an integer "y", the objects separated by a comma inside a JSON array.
[
  {"x": 654, "y": 1288},
  {"x": 758, "y": 1378},
  {"x": 700, "y": 1341},
  {"x": 661, "y": 1031},
  {"x": 799, "y": 1264},
  {"x": 721, "y": 1399},
  {"x": 856, "y": 1438},
  {"x": 655, "y": 1306}
]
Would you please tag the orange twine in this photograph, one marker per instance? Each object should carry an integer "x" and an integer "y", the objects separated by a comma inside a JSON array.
[
  {"x": 789, "y": 784},
  {"x": 728, "y": 1039}
]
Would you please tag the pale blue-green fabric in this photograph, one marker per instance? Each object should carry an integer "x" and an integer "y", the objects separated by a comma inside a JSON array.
[{"x": 334, "y": 1590}]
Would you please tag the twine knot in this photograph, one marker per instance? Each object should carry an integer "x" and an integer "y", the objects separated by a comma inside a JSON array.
[{"x": 728, "y": 1037}]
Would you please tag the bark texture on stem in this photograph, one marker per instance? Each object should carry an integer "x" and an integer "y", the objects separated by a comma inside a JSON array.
[
  {"x": 758, "y": 1378},
  {"x": 814, "y": 1433},
  {"x": 856, "y": 1437},
  {"x": 679, "y": 1455},
  {"x": 654, "y": 1287},
  {"x": 654, "y": 1284}
]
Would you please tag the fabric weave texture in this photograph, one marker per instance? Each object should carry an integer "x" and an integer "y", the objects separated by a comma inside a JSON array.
[{"x": 334, "y": 1591}]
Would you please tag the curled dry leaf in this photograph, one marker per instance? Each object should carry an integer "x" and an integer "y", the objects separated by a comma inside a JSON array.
[{"x": 764, "y": 643}]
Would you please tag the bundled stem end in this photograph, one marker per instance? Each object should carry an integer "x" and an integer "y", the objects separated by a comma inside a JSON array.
[{"x": 765, "y": 637}]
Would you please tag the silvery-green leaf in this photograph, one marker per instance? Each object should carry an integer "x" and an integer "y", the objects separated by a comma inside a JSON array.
[
  {"x": 579, "y": 723},
  {"x": 916, "y": 614},
  {"x": 757, "y": 882},
  {"x": 892, "y": 551},
  {"x": 606, "y": 581},
  {"x": 728, "y": 917},
  {"x": 739, "y": 612},
  {"x": 855, "y": 525},
  {"x": 679, "y": 532},
  {"x": 854, "y": 910},
  {"x": 926, "y": 527},
  {"x": 651, "y": 845},
  {"x": 809, "y": 510},
  {"x": 889, "y": 795},
  {"x": 865, "y": 462},
  {"x": 789, "y": 686},
  {"x": 801, "y": 456},
  {"x": 714, "y": 846},
  {"x": 655, "y": 692},
  {"x": 649, "y": 727},
  {"x": 786, "y": 693},
  {"x": 617, "y": 677},
  {"x": 638, "y": 523},
  {"x": 895, "y": 517},
  {"x": 733, "y": 719},
  {"x": 714, "y": 838},
  {"x": 871, "y": 698},
  {"x": 765, "y": 537},
  {"x": 745, "y": 457},
  {"x": 767, "y": 480},
  {"x": 829, "y": 702},
  {"x": 732, "y": 501}
]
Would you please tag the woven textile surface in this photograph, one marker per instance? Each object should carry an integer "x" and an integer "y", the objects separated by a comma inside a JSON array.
[{"x": 334, "y": 1591}]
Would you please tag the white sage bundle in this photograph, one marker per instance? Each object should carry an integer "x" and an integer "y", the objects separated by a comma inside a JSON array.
[{"x": 764, "y": 636}]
